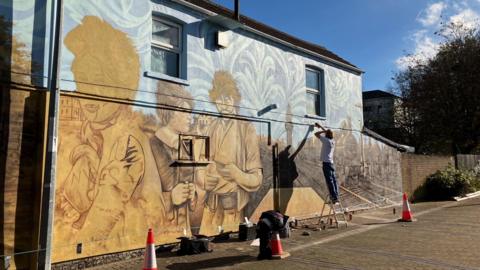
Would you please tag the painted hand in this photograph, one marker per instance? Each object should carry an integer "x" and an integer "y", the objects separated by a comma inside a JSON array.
[
  {"x": 230, "y": 172},
  {"x": 182, "y": 192},
  {"x": 211, "y": 181},
  {"x": 126, "y": 168},
  {"x": 202, "y": 123},
  {"x": 69, "y": 213}
]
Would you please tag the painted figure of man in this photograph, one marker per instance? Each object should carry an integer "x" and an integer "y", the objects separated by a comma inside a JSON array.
[
  {"x": 326, "y": 155},
  {"x": 236, "y": 170},
  {"x": 177, "y": 185}
]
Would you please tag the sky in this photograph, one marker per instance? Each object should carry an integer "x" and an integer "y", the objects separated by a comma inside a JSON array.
[{"x": 375, "y": 35}]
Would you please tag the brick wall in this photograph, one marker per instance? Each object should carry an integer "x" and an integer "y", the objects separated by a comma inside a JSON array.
[{"x": 416, "y": 168}]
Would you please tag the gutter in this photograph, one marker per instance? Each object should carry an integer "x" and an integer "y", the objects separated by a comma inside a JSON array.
[
  {"x": 399, "y": 147},
  {"x": 272, "y": 38},
  {"x": 348, "y": 67}
]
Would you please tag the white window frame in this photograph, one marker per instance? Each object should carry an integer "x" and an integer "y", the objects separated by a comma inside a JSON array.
[
  {"x": 169, "y": 47},
  {"x": 319, "y": 92}
]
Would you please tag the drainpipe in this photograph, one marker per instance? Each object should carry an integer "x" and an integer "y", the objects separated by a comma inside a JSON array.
[
  {"x": 48, "y": 192},
  {"x": 237, "y": 10},
  {"x": 364, "y": 164}
]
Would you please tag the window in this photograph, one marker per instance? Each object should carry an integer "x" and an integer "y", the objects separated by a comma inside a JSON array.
[
  {"x": 166, "y": 47},
  {"x": 315, "y": 92}
]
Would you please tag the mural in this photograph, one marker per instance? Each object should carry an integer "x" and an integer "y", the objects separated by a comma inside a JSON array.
[
  {"x": 122, "y": 173},
  {"x": 136, "y": 152}
]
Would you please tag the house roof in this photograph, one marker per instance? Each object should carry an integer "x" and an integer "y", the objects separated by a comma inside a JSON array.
[
  {"x": 270, "y": 31},
  {"x": 377, "y": 94}
]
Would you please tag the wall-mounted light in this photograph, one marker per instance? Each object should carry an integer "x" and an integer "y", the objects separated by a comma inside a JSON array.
[{"x": 267, "y": 109}]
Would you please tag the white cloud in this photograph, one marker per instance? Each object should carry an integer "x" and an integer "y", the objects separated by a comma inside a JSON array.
[
  {"x": 425, "y": 48},
  {"x": 425, "y": 42},
  {"x": 468, "y": 18},
  {"x": 431, "y": 15}
]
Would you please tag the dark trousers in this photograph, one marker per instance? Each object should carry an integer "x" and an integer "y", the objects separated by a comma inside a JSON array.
[{"x": 329, "y": 173}]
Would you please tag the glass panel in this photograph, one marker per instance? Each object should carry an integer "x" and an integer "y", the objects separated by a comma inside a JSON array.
[
  {"x": 313, "y": 104},
  {"x": 165, "y": 33},
  {"x": 312, "y": 79},
  {"x": 165, "y": 62}
]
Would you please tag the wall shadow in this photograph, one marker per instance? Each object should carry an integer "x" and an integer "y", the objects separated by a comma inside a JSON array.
[
  {"x": 5, "y": 75},
  {"x": 29, "y": 181},
  {"x": 287, "y": 174}
]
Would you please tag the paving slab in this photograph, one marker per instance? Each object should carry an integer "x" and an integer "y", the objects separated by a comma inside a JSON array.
[{"x": 446, "y": 235}]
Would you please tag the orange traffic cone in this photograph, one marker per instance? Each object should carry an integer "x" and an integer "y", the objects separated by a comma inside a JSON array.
[
  {"x": 150, "y": 262},
  {"x": 406, "y": 212},
  {"x": 276, "y": 246}
]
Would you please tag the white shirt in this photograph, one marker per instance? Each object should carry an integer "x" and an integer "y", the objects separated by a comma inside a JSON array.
[{"x": 328, "y": 146}]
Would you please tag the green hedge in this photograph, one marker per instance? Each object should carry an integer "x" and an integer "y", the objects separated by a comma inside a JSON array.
[{"x": 446, "y": 184}]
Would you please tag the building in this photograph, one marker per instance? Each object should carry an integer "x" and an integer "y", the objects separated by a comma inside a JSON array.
[
  {"x": 174, "y": 115},
  {"x": 380, "y": 112}
]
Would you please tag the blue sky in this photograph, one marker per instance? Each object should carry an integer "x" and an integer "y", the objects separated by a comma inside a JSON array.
[{"x": 374, "y": 35}]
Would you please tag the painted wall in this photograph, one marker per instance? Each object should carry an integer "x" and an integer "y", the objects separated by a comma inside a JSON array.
[{"x": 119, "y": 171}]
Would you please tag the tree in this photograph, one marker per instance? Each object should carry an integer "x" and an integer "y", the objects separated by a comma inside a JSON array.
[
  {"x": 15, "y": 62},
  {"x": 441, "y": 96}
]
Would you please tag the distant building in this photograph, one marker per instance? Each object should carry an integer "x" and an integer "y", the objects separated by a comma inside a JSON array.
[{"x": 379, "y": 112}]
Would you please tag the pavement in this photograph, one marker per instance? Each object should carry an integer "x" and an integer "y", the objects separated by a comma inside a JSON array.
[{"x": 445, "y": 235}]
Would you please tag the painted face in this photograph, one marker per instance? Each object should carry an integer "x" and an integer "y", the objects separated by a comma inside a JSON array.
[
  {"x": 99, "y": 111},
  {"x": 87, "y": 69},
  {"x": 225, "y": 105},
  {"x": 105, "y": 62},
  {"x": 181, "y": 121}
]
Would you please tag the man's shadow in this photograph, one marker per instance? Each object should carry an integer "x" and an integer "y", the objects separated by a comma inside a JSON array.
[{"x": 287, "y": 174}]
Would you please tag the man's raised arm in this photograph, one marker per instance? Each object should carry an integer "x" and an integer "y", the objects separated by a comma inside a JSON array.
[{"x": 318, "y": 133}]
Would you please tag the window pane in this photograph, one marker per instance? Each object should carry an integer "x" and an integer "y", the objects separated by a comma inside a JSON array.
[
  {"x": 313, "y": 104},
  {"x": 312, "y": 79},
  {"x": 165, "y": 33},
  {"x": 165, "y": 62}
]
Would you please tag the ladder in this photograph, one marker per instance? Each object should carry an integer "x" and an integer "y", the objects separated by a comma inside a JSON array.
[{"x": 336, "y": 214}]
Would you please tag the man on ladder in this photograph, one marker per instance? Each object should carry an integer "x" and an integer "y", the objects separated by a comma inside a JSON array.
[{"x": 326, "y": 155}]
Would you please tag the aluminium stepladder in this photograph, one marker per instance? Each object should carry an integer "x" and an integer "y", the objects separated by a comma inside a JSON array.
[{"x": 336, "y": 214}]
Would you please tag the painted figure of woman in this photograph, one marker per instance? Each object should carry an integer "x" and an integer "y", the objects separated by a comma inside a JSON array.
[{"x": 107, "y": 160}]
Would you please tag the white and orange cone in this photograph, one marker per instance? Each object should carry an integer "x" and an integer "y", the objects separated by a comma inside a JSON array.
[
  {"x": 276, "y": 246},
  {"x": 150, "y": 262},
  {"x": 406, "y": 212}
]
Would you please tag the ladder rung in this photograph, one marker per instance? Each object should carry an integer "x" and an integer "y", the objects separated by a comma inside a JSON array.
[{"x": 333, "y": 213}]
